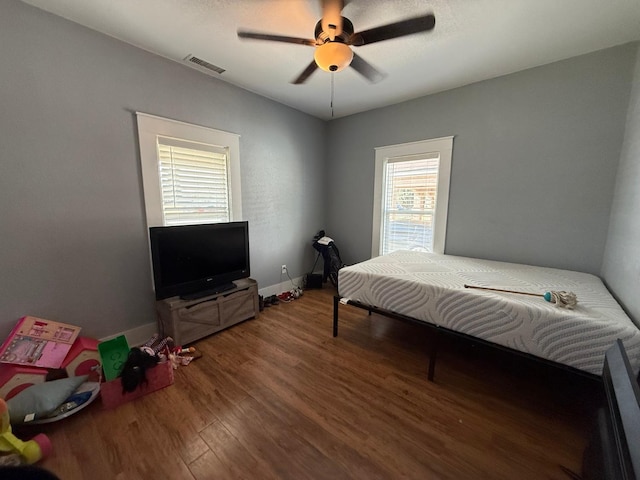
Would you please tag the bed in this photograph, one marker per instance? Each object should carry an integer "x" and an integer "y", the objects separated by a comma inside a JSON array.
[{"x": 429, "y": 289}]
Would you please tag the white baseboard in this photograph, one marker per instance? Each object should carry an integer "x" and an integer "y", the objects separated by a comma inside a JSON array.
[
  {"x": 136, "y": 336},
  {"x": 139, "y": 335},
  {"x": 281, "y": 287}
]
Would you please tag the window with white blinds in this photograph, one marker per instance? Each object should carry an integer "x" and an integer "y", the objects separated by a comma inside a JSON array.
[
  {"x": 190, "y": 173},
  {"x": 194, "y": 181},
  {"x": 411, "y": 196}
]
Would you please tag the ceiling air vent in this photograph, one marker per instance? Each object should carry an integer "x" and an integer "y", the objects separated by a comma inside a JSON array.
[{"x": 204, "y": 64}]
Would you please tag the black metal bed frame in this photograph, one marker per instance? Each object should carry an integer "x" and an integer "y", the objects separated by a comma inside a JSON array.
[{"x": 438, "y": 330}]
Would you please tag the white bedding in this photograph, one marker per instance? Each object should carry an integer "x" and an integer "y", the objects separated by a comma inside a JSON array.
[{"x": 430, "y": 287}]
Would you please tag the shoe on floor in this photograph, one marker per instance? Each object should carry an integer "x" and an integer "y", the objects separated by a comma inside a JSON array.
[{"x": 285, "y": 297}]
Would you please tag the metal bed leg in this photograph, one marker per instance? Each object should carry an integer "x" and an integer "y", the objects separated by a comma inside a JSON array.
[
  {"x": 432, "y": 357},
  {"x": 336, "y": 302}
]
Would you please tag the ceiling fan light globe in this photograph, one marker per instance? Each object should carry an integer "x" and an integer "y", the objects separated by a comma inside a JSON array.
[{"x": 333, "y": 56}]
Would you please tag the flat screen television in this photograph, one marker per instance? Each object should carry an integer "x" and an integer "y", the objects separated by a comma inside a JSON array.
[{"x": 193, "y": 261}]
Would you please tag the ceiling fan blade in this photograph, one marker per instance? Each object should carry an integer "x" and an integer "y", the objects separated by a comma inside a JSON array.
[
  {"x": 275, "y": 38},
  {"x": 365, "y": 69},
  {"x": 394, "y": 30},
  {"x": 306, "y": 73},
  {"x": 332, "y": 17}
]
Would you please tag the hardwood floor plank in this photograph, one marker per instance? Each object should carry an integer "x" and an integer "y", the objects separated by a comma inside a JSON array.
[
  {"x": 227, "y": 458},
  {"x": 272, "y": 442},
  {"x": 326, "y": 443},
  {"x": 178, "y": 432}
]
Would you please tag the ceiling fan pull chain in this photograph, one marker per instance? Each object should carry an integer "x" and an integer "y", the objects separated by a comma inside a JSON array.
[{"x": 332, "y": 80}]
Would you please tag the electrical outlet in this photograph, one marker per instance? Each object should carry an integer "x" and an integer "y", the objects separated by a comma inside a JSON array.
[{"x": 284, "y": 269}]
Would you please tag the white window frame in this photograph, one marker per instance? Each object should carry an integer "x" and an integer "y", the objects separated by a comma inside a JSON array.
[
  {"x": 150, "y": 127},
  {"x": 443, "y": 147}
]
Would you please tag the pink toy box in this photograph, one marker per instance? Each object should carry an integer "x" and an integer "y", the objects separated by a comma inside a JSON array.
[{"x": 158, "y": 377}]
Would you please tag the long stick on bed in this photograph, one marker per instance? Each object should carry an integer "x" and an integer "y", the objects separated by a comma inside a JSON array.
[
  {"x": 506, "y": 291},
  {"x": 561, "y": 299}
]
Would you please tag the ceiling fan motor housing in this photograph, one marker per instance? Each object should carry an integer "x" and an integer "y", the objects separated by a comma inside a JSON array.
[{"x": 323, "y": 37}]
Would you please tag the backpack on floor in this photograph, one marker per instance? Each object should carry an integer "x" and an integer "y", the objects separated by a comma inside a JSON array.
[{"x": 327, "y": 248}]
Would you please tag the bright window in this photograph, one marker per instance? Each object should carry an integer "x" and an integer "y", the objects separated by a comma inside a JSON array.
[
  {"x": 411, "y": 196},
  {"x": 190, "y": 173},
  {"x": 194, "y": 182}
]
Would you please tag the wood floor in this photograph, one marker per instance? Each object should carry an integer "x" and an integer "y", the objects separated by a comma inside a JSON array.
[{"x": 279, "y": 398}]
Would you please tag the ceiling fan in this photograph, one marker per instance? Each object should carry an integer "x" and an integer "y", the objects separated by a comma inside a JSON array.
[{"x": 334, "y": 37}]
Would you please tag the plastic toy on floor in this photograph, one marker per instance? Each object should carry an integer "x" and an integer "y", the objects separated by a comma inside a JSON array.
[
  {"x": 14, "y": 451},
  {"x": 183, "y": 356}
]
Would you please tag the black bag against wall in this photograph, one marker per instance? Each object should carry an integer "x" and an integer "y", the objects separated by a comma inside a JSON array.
[
  {"x": 313, "y": 280},
  {"x": 331, "y": 256}
]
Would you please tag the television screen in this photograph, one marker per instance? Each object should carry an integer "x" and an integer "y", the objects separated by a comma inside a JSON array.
[{"x": 198, "y": 260}]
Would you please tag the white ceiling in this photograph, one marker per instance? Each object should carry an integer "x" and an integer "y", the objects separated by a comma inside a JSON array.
[{"x": 473, "y": 40}]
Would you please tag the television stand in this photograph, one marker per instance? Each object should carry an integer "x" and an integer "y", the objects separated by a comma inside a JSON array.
[
  {"x": 187, "y": 320},
  {"x": 211, "y": 291}
]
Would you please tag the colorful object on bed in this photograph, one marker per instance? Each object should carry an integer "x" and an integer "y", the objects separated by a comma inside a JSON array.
[
  {"x": 561, "y": 299},
  {"x": 430, "y": 287}
]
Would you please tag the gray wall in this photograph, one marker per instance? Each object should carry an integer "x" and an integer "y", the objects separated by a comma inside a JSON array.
[
  {"x": 534, "y": 169},
  {"x": 72, "y": 224},
  {"x": 534, "y": 162},
  {"x": 621, "y": 265}
]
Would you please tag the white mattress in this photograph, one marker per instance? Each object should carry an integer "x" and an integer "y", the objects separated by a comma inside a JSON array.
[{"x": 430, "y": 287}]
